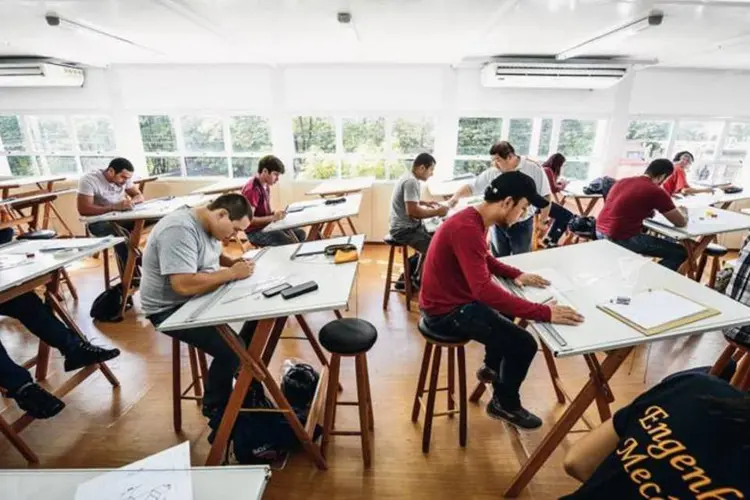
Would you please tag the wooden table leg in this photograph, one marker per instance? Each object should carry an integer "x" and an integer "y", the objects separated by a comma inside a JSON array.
[
  {"x": 351, "y": 225},
  {"x": 694, "y": 250},
  {"x": 129, "y": 271},
  {"x": 549, "y": 359},
  {"x": 314, "y": 233},
  {"x": 17, "y": 442},
  {"x": 273, "y": 339},
  {"x": 571, "y": 415}
]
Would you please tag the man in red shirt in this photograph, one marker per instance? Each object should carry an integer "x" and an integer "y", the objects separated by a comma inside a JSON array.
[
  {"x": 461, "y": 299},
  {"x": 677, "y": 182},
  {"x": 258, "y": 193},
  {"x": 635, "y": 199}
]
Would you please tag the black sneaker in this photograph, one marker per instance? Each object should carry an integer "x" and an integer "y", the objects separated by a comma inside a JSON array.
[
  {"x": 486, "y": 375},
  {"x": 548, "y": 243},
  {"x": 38, "y": 402},
  {"x": 521, "y": 417},
  {"x": 400, "y": 286},
  {"x": 87, "y": 354}
]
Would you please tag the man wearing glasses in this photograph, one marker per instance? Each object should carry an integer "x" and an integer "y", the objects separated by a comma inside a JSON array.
[{"x": 677, "y": 182}]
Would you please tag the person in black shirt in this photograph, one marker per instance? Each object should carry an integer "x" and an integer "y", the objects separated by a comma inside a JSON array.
[{"x": 688, "y": 437}]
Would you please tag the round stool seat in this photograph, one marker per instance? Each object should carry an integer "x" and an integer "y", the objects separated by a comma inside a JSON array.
[
  {"x": 714, "y": 250},
  {"x": 433, "y": 336},
  {"x": 348, "y": 336},
  {"x": 390, "y": 241},
  {"x": 39, "y": 234}
]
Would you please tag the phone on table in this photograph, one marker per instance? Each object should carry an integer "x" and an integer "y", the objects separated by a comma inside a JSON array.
[{"x": 271, "y": 292}]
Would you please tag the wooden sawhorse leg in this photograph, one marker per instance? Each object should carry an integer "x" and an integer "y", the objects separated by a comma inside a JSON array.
[{"x": 133, "y": 243}]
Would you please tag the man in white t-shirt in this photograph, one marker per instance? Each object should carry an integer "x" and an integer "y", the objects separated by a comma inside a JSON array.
[{"x": 517, "y": 238}]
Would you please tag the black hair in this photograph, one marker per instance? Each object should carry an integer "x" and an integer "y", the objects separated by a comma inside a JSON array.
[
  {"x": 515, "y": 185},
  {"x": 659, "y": 167},
  {"x": 235, "y": 204},
  {"x": 503, "y": 149},
  {"x": 271, "y": 163},
  {"x": 120, "y": 164},
  {"x": 678, "y": 156},
  {"x": 424, "y": 159},
  {"x": 555, "y": 163}
]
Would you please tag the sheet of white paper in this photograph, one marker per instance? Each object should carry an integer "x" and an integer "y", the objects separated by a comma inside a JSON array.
[
  {"x": 10, "y": 261},
  {"x": 251, "y": 254},
  {"x": 654, "y": 308},
  {"x": 558, "y": 285},
  {"x": 320, "y": 245},
  {"x": 163, "y": 476}
]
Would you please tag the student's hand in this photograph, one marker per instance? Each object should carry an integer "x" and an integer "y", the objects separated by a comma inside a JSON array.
[
  {"x": 534, "y": 280},
  {"x": 442, "y": 210},
  {"x": 278, "y": 215},
  {"x": 452, "y": 202},
  {"x": 123, "y": 205},
  {"x": 564, "y": 315},
  {"x": 242, "y": 269}
]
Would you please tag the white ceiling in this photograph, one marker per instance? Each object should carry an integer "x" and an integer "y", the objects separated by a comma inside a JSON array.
[{"x": 695, "y": 34}]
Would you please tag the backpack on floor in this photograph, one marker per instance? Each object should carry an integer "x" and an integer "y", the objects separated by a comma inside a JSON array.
[
  {"x": 600, "y": 185},
  {"x": 583, "y": 226},
  {"x": 106, "y": 306}
]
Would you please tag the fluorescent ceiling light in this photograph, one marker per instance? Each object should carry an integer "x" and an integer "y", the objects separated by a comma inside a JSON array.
[
  {"x": 618, "y": 34},
  {"x": 84, "y": 29}
]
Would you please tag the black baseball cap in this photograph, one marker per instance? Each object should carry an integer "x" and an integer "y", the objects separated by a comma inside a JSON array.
[{"x": 517, "y": 185}]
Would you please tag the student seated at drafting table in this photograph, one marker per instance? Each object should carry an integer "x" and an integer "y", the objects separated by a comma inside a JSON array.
[
  {"x": 739, "y": 289},
  {"x": 183, "y": 258},
  {"x": 408, "y": 210},
  {"x": 258, "y": 193},
  {"x": 688, "y": 437},
  {"x": 459, "y": 297},
  {"x": 39, "y": 319},
  {"x": 677, "y": 182},
  {"x": 109, "y": 190},
  {"x": 635, "y": 199}
]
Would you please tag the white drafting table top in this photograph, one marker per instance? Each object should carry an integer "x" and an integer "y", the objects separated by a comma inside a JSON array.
[
  {"x": 153, "y": 209},
  {"x": 447, "y": 188},
  {"x": 208, "y": 483},
  {"x": 708, "y": 199},
  {"x": 43, "y": 263},
  {"x": 224, "y": 186},
  {"x": 26, "y": 181},
  {"x": 12, "y": 200},
  {"x": 602, "y": 270},
  {"x": 334, "y": 281},
  {"x": 317, "y": 212},
  {"x": 342, "y": 186},
  {"x": 700, "y": 223},
  {"x": 575, "y": 189},
  {"x": 433, "y": 223}
]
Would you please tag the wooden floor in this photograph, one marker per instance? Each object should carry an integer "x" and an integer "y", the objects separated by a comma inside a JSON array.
[{"x": 105, "y": 428}]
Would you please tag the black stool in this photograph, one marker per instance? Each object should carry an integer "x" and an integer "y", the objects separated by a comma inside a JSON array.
[
  {"x": 50, "y": 234},
  {"x": 714, "y": 251},
  {"x": 349, "y": 337},
  {"x": 408, "y": 290},
  {"x": 436, "y": 342}
]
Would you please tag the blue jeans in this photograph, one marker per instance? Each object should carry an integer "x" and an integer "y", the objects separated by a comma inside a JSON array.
[
  {"x": 513, "y": 240},
  {"x": 509, "y": 349},
  {"x": 275, "y": 238},
  {"x": 672, "y": 254}
]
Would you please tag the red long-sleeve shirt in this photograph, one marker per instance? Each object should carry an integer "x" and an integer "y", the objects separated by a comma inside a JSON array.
[{"x": 458, "y": 270}]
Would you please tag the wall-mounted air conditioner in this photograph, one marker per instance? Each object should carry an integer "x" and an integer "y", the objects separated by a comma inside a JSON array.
[
  {"x": 39, "y": 74},
  {"x": 554, "y": 75}
]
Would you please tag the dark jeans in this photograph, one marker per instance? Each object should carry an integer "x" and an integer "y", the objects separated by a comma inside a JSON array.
[
  {"x": 104, "y": 228},
  {"x": 6, "y": 235},
  {"x": 225, "y": 362},
  {"x": 513, "y": 240},
  {"x": 672, "y": 254},
  {"x": 509, "y": 349},
  {"x": 39, "y": 319},
  {"x": 275, "y": 238},
  {"x": 561, "y": 217},
  {"x": 418, "y": 239}
]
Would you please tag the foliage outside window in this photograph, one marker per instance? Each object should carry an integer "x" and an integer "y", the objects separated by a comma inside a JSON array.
[
  {"x": 646, "y": 140},
  {"x": 698, "y": 137},
  {"x": 477, "y": 135},
  {"x": 202, "y": 134},
  {"x": 545, "y": 138},
  {"x": 519, "y": 134},
  {"x": 737, "y": 142},
  {"x": 250, "y": 134}
]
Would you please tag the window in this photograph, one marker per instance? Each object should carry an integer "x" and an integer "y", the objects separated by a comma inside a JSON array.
[
  {"x": 11, "y": 136},
  {"x": 545, "y": 138},
  {"x": 62, "y": 164},
  {"x": 646, "y": 140},
  {"x": 206, "y": 166},
  {"x": 519, "y": 134},
  {"x": 700, "y": 138},
  {"x": 737, "y": 142},
  {"x": 157, "y": 134},
  {"x": 315, "y": 137},
  {"x": 475, "y": 167},
  {"x": 95, "y": 134},
  {"x": 244, "y": 166},
  {"x": 576, "y": 142},
  {"x": 411, "y": 137},
  {"x": 477, "y": 135},
  {"x": 157, "y": 165},
  {"x": 50, "y": 134},
  {"x": 363, "y": 140},
  {"x": 250, "y": 134},
  {"x": 24, "y": 166},
  {"x": 90, "y": 163},
  {"x": 202, "y": 134}
]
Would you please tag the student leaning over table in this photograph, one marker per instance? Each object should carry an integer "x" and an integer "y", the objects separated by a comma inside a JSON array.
[
  {"x": 183, "y": 258},
  {"x": 460, "y": 298}
]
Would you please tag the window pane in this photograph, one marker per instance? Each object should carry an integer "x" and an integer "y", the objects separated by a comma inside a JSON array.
[
  {"x": 646, "y": 140},
  {"x": 157, "y": 134},
  {"x": 89, "y": 163},
  {"x": 206, "y": 166},
  {"x": 203, "y": 134},
  {"x": 576, "y": 170},
  {"x": 737, "y": 142},
  {"x": 11, "y": 136},
  {"x": 412, "y": 137},
  {"x": 363, "y": 135},
  {"x": 519, "y": 135},
  {"x": 314, "y": 135},
  {"x": 545, "y": 137},
  {"x": 250, "y": 134},
  {"x": 477, "y": 135},
  {"x": 163, "y": 166},
  {"x": 363, "y": 168},
  {"x": 316, "y": 167},
  {"x": 577, "y": 138},
  {"x": 699, "y": 138},
  {"x": 62, "y": 164},
  {"x": 24, "y": 165},
  {"x": 470, "y": 167},
  {"x": 244, "y": 167},
  {"x": 95, "y": 134},
  {"x": 398, "y": 168},
  {"x": 50, "y": 134}
]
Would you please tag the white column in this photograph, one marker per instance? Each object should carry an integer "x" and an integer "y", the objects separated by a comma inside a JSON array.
[
  {"x": 446, "y": 127},
  {"x": 616, "y": 129}
]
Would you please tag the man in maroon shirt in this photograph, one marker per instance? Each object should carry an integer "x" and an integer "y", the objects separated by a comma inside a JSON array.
[
  {"x": 461, "y": 299},
  {"x": 630, "y": 202},
  {"x": 258, "y": 193}
]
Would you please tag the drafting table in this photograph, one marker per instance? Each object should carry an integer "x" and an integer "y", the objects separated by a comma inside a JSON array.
[
  {"x": 701, "y": 229},
  {"x": 433, "y": 223},
  {"x": 319, "y": 216},
  {"x": 341, "y": 187},
  {"x": 149, "y": 210},
  {"x": 446, "y": 189},
  {"x": 141, "y": 182},
  {"x": 233, "y": 303},
  {"x": 208, "y": 483},
  {"x": 222, "y": 187},
  {"x": 584, "y": 202},
  {"x": 46, "y": 269},
  {"x": 44, "y": 184},
  {"x": 597, "y": 271},
  {"x": 718, "y": 198}
]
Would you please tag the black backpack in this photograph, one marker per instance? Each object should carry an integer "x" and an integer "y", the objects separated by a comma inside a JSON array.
[
  {"x": 583, "y": 226},
  {"x": 106, "y": 306},
  {"x": 600, "y": 185}
]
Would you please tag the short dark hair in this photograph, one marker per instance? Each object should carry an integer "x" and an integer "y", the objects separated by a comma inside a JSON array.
[
  {"x": 424, "y": 159},
  {"x": 517, "y": 185},
  {"x": 271, "y": 163},
  {"x": 679, "y": 155},
  {"x": 235, "y": 204},
  {"x": 659, "y": 167},
  {"x": 120, "y": 164},
  {"x": 503, "y": 149}
]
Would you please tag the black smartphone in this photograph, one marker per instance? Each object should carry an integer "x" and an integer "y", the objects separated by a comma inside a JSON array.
[
  {"x": 276, "y": 290},
  {"x": 298, "y": 290}
]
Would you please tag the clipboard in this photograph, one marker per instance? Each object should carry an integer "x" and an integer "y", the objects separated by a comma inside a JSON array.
[{"x": 695, "y": 311}]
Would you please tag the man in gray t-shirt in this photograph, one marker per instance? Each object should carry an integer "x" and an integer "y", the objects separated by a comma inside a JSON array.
[{"x": 183, "y": 258}]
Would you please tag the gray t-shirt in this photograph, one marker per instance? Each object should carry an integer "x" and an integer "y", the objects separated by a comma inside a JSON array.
[
  {"x": 104, "y": 192},
  {"x": 178, "y": 244},
  {"x": 528, "y": 167},
  {"x": 406, "y": 189}
]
